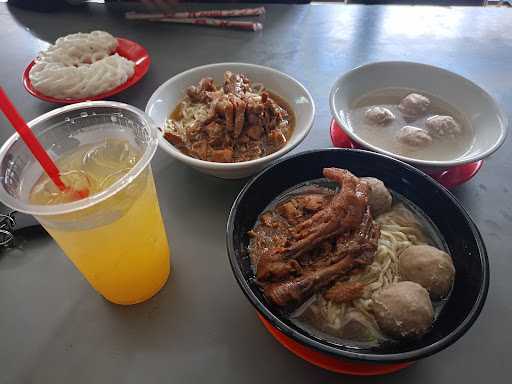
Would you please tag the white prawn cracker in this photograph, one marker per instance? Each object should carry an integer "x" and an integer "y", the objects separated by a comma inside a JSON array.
[{"x": 80, "y": 65}]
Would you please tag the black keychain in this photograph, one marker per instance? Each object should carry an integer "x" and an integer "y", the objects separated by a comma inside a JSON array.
[{"x": 10, "y": 221}]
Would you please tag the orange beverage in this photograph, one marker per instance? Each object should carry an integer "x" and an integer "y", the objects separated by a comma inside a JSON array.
[
  {"x": 115, "y": 236},
  {"x": 119, "y": 244}
]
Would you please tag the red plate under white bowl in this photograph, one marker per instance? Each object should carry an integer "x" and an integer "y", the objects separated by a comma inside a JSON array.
[
  {"x": 449, "y": 178},
  {"x": 126, "y": 48}
]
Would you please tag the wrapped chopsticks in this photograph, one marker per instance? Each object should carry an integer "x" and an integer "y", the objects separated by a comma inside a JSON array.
[
  {"x": 245, "y": 25},
  {"x": 197, "y": 14},
  {"x": 205, "y": 18}
]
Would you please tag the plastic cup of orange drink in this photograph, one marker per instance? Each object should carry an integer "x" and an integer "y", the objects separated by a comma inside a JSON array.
[{"x": 115, "y": 236}]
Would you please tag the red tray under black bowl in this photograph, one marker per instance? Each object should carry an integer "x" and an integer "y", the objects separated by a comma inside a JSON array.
[
  {"x": 450, "y": 178},
  {"x": 328, "y": 362}
]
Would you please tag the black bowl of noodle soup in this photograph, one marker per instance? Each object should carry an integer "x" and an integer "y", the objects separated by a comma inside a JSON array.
[{"x": 314, "y": 287}]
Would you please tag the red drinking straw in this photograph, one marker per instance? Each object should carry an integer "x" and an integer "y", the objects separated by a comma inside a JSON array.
[{"x": 33, "y": 144}]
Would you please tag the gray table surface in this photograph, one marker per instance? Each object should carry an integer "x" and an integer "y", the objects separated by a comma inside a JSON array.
[{"x": 55, "y": 329}]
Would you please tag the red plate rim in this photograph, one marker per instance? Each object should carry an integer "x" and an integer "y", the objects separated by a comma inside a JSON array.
[
  {"x": 328, "y": 362},
  {"x": 126, "y": 48}
]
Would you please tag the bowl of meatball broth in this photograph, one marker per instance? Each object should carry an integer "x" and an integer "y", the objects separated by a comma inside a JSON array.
[
  {"x": 231, "y": 119},
  {"x": 424, "y": 115},
  {"x": 343, "y": 251}
]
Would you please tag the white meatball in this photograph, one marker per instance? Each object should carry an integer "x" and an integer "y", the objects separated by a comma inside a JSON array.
[
  {"x": 379, "y": 198},
  {"x": 413, "y": 106},
  {"x": 379, "y": 115},
  {"x": 414, "y": 136},
  {"x": 357, "y": 327},
  {"x": 440, "y": 126},
  {"x": 403, "y": 310},
  {"x": 428, "y": 266}
]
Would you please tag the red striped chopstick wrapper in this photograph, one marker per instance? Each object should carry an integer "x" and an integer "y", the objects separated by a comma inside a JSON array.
[
  {"x": 197, "y": 14},
  {"x": 245, "y": 25}
]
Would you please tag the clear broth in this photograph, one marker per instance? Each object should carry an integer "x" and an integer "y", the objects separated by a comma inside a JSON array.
[{"x": 384, "y": 136}]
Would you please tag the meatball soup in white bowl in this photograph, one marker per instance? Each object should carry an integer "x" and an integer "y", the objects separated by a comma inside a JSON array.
[{"x": 426, "y": 116}]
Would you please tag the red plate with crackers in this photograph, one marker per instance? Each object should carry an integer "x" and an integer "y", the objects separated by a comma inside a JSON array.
[{"x": 126, "y": 48}]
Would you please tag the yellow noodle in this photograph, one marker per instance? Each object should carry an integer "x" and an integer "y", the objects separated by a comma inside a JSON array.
[{"x": 399, "y": 230}]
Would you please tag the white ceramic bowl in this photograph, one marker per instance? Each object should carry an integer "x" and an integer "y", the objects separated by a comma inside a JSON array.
[
  {"x": 489, "y": 123},
  {"x": 168, "y": 95}
]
